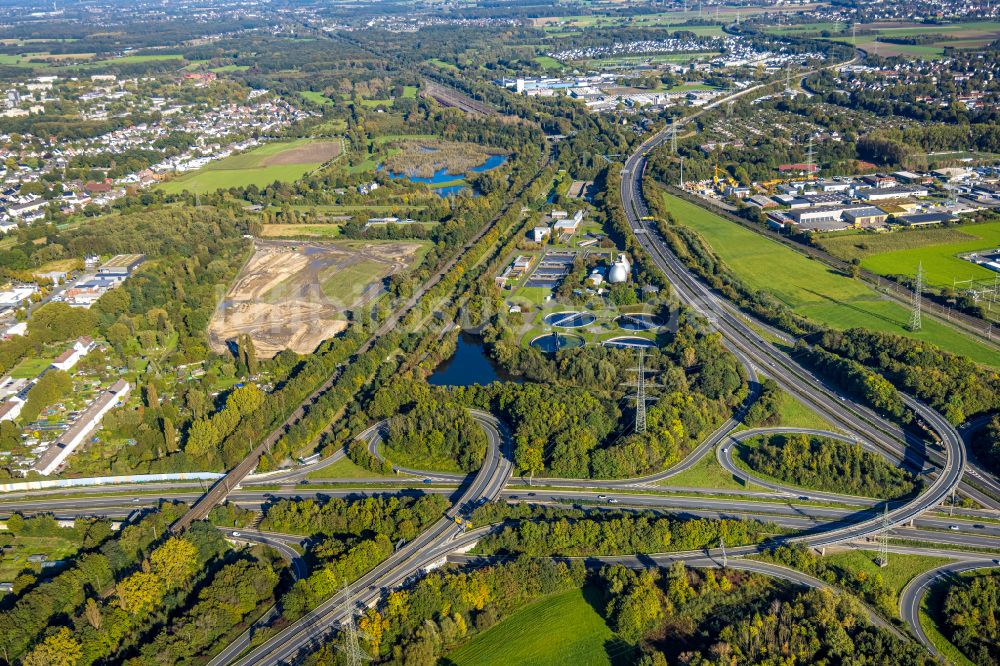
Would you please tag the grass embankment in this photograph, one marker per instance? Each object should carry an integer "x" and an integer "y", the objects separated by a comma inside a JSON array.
[
  {"x": 706, "y": 473},
  {"x": 562, "y": 629},
  {"x": 346, "y": 469},
  {"x": 901, "y": 570},
  {"x": 812, "y": 289}
]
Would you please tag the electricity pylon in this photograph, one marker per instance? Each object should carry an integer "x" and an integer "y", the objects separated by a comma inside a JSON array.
[
  {"x": 918, "y": 287},
  {"x": 351, "y": 646},
  {"x": 640, "y": 395},
  {"x": 883, "y": 540}
]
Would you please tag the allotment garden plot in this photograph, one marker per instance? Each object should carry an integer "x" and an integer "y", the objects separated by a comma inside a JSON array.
[{"x": 293, "y": 295}]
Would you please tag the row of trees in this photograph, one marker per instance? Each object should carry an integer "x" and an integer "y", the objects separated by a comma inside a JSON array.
[
  {"x": 827, "y": 464},
  {"x": 614, "y": 533},
  {"x": 856, "y": 379}
]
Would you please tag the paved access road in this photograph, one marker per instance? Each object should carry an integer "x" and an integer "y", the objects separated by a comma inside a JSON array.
[
  {"x": 913, "y": 594},
  {"x": 791, "y": 376},
  {"x": 426, "y": 549}
]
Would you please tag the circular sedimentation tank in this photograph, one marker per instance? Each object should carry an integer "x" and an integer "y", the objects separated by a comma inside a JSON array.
[
  {"x": 569, "y": 319},
  {"x": 551, "y": 342},
  {"x": 638, "y": 322},
  {"x": 629, "y": 342}
]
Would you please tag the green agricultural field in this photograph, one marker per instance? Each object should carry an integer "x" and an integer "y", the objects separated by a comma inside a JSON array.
[
  {"x": 899, "y": 253},
  {"x": 561, "y": 630},
  {"x": 963, "y": 35},
  {"x": 351, "y": 279},
  {"x": 548, "y": 62},
  {"x": 437, "y": 62},
  {"x": 812, "y": 289},
  {"x": 284, "y": 161},
  {"x": 230, "y": 68},
  {"x": 128, "y": 60},
  {"x": 315, "y": 97}
]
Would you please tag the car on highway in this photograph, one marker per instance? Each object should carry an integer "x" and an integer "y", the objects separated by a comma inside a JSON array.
[
  {"x": 602, "y": 497},
  {"x": 428, "y": 481},
  {"x": 953, "y": 527},
  {"x": 612, "y": 500},
  {"x": 804, "y": 497},
  {"x": 236, "y": 534},
  {"x": 481, "y": 501}
]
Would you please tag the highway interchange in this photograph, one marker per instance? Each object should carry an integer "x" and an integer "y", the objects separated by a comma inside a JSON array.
[{"x": 816, "y": 519}]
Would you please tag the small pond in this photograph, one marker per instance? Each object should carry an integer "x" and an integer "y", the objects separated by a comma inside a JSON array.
[
  {"x": 469, "y": 365},
  {"x": 443, "y": 176}
]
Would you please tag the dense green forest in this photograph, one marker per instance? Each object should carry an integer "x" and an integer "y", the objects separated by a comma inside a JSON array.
[
  {"x": 826, "y": 464},
  {"x": 571, "y": 424},
  {"x": 951, "y": 383},
  {"x": 112, "y": 600},
  {"x": 972, "y": 617},
  {"x": 349, "y": 537},
  {"x": 719, "y": 619},
  {"x": 391, "y": 514}
]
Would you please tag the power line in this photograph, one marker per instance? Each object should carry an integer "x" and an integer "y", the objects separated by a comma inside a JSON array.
[
  {"x": 640, "y": 396},
  {"x": 918, "y": 287},
  {"x": 883, "y": 540},
  {"x": 351, "y": 646}
]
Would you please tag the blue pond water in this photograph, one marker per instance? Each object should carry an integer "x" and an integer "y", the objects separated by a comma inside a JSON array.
[
  {"x": 469, "y": 365},
  {"x": 491, "y": 163},
  {"x": 443, "y": 176}
]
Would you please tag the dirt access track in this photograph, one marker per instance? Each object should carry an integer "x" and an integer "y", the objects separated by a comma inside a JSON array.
[{"x": 294, "y": 295}]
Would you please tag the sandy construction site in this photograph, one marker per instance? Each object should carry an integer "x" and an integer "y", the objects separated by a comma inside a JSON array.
[{"x": 293, "y": 295}]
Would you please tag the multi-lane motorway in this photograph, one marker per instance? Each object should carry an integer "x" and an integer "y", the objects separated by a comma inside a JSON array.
[{"x": 819, "y": 519}]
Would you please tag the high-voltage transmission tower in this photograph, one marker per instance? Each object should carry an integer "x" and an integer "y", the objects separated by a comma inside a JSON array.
[
  {"x": 351, "y": 645},
  {"x": 883, "y": 540},
  {"x": 640, "y": 395},
  {"x": 918, "y": 287}
]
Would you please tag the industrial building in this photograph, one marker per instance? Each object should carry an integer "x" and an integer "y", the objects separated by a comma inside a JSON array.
[{"x": 121, "y": 266}]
